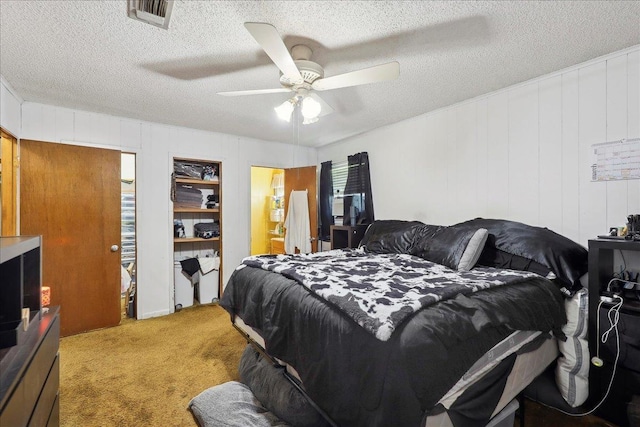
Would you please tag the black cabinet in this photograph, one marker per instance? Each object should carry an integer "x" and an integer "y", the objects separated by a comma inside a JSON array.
[
  {"x": 346, "y": 236},
  {"x": 30, "y": 375},
  {"x": 626, "y": 382},
  {"x": 20, "y": 270}
]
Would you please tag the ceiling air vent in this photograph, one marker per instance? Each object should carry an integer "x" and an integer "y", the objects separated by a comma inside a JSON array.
[{"x": 154, "y": 12}]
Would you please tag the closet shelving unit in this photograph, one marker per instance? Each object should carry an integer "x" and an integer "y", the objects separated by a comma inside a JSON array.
[
  {"x": 214, "y": 212},
  {"x": 189, "y": 245}
]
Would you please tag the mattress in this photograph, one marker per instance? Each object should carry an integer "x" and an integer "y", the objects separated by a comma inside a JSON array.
[
  {"x": 528, "y": 365},
  {"x": 257, "y": 339}
]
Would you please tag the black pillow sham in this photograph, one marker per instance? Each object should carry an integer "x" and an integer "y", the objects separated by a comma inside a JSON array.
[
  {"x": 445, "y": 246},
  {"x": 493, "y": 257},
  {"x": 567, "y": 259},
  {"x": 395, "y": 236}
]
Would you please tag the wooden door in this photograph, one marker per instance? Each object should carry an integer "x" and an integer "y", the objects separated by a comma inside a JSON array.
[
  {"x": 304, "y": 178},
  {"x": 71, "y": 196}
]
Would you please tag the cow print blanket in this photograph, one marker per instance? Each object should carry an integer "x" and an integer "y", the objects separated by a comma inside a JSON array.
[{"x": 379, "y": 291}]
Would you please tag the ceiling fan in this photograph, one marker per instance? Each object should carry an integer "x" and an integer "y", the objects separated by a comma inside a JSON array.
[{"x": 303, "y": 77}]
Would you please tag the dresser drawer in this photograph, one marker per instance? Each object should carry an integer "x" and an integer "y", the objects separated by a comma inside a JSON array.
[
  {"x": 42, "y": 371},
  {"x": 14, "y": 413},
  {"x": 38, "y": 371},
  {"x": 54, "y": 418},
  {"x": 47, "y": 398}
]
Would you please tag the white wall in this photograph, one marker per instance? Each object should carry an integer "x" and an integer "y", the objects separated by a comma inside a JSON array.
[
  {"x": 155, "y": 145},
  {"x": 9, "y": 108},
  {"x": 521, "y": 153}
]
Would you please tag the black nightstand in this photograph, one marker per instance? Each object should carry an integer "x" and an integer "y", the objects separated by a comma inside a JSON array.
[
  {"x": 347, "y": 236},
  {"x": 627, "y": 378}
]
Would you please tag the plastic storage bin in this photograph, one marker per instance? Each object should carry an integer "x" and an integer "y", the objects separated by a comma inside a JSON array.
[
  {"x": 506, "y": 417},
  {"x": 183, "y": 287},
  {"x": 208, "y": 287}
]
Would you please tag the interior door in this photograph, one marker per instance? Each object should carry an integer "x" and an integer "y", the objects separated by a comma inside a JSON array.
[
  {"x": 71, "y": 196},
  {"x": 304, "y": 178}
]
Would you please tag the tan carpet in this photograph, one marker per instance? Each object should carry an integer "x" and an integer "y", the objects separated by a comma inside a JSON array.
[{"x": 143, "y": 373}]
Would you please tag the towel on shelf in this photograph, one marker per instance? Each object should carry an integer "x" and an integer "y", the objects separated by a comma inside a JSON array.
[
  {"x": 298, "y": 234},
  {"x": 208, "y": 264}
]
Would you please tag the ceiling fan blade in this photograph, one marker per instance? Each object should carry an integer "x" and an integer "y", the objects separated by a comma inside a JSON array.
[
  {"x": 254, "y": 92},
  {"x": 326, "y": 108},
  {"x": 268, "y": 38},
  {"x": 378, "y": 73}
]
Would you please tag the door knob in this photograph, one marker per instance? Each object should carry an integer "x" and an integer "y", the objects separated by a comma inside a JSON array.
[{"x": 114, "y": 248}]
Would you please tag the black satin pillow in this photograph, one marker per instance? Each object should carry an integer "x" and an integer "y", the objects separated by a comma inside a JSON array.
[
  {"x": 545, "y": 249},
  {"x": 492, "y": 257},
  {"x": 445, "y": 246},
  {"x": 395, "y": 236},
  {"x": 270, "y": 387}
]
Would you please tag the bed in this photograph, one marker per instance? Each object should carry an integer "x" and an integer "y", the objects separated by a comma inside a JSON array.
[{"x": 422, "y": 325}]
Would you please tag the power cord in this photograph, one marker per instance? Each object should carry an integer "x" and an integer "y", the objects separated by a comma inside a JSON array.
[
  {"x": 613, "y": 315},
  {"x": 624, "y": 262}
]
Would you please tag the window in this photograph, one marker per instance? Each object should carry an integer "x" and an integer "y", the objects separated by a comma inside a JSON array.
[
  {"x": 339, "y": 173},
  {"x": 350, "y": 199}
]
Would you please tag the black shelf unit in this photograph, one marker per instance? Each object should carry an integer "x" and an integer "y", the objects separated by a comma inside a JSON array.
[
  {"x": 346, "y": 236},
  {"x": 20, "y": 270},
  {"x": 627, "y": 381}
]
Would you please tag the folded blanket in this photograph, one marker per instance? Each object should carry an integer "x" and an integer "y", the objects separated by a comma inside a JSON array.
[{"x": 208, "y": 264}]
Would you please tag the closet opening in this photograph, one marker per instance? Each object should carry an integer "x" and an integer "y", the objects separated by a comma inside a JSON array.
[
  {"x": 267, "y": 210},
  {"x": 128, "y": 235}
]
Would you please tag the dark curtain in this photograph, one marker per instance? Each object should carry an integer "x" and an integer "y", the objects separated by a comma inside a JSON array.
[
  {"x": 326, "y": 201},
  {"x": 359, "y": 182}
]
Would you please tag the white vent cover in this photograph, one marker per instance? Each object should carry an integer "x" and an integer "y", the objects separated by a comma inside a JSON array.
[{"x": 154, "y": 12}]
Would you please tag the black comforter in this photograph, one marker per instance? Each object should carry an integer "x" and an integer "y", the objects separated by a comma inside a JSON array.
[{"x": 362, "y": 381}]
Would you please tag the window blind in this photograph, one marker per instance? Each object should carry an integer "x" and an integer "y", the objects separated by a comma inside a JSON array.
[{"x": 339, "y": 172}]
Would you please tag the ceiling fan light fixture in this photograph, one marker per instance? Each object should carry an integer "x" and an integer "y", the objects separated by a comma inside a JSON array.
[
  {"x": 302, "y": 76},
  {"x": 284, "y": 110},
  {"x": 310, "y": 109}
]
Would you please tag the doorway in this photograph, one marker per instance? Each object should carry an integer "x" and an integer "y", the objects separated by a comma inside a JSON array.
[
  {"x": 128, "y": 235},
  {"x": 270, "y": 190},
  {"x": 267, "y": 210}
]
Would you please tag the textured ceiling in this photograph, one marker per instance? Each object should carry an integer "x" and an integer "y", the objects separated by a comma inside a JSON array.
[{"x": 89, "y": 55}]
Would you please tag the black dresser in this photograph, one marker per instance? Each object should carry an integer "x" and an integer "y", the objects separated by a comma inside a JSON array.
[
  {"x": 30, "y": 374},
  {"x": 626, "y": 382}
]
